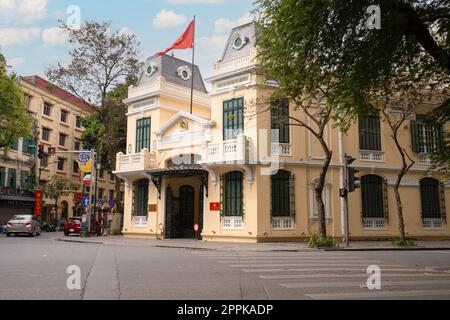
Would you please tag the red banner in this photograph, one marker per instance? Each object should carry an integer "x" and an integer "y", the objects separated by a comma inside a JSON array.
[
  {"x": 38, "y": 195},
  {"x": 78, "y": 197}
]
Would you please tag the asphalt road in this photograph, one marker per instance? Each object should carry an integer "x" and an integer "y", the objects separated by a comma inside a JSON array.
[{"x": 36, "y": 268}]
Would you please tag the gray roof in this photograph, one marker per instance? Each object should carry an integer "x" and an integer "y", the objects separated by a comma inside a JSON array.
[
  {"x": 167, "y": 67},
  {"x": 247, "y": 31}
]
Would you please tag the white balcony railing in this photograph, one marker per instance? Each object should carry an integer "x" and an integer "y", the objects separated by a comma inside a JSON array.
[
  {"x": 429, "y": 223},
  {"x": 227, "y": 151},
  {"x": 374, "y": 224},
  {"x": 233, "y": 223},
  {"x": 369, "y": 155},
  {"x": 425, "y": 159},
  {"x": 233, "y": 65},
  {"x": 135, "y": 161},
  {"x": 147, "y": 89},
  {"x": 282, "y": 149},
  {"x": 282, "y": 223},
  {"x": 140, "y": 221}
]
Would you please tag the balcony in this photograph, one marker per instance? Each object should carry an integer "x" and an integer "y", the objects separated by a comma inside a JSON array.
[
  {"x": 136, "y": 161},
  {"x": 432, "y": 223},
  {"x": 234, "y": 65},
  {"x": 425, "y": 159},
  {"x": 374, "y": 224},
  {"x": 230, "y": 151}
]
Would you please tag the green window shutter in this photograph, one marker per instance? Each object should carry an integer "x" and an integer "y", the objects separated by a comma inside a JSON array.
[
  {"x": 292, "y": 194},
  {"x": 374, "y": 197},
  {"x": 415, "y": 137},
  {"x": 281, "y": 197},
  {"x": 234, "y": 194},
  {"x": 233, "y": 118},
  {"x": 439, "y": 133},
  {"x": 12, "y": 178},
  {"x": 280, "y": 119},
  {"x": 222, "y": 209},
  {"x": 2, "y": 177},
  {"x": 386, "y": 199},
  {"x": 370, "y": 132},
  {"x": 143, "y": 134}
]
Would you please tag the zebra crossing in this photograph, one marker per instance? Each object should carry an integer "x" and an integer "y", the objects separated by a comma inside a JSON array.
[{"x": 334, "y": 275}]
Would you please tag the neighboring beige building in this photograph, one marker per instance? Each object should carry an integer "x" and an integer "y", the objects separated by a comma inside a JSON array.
[
  {"x": 214, "y": 168},
  {"x": 57, "y": 115}
]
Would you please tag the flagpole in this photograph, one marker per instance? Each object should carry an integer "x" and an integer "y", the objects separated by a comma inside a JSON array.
[{"x": 193, "y": 69}]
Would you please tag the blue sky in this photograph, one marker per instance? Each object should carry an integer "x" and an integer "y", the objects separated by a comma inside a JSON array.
[{"x": 31, "y": 42}]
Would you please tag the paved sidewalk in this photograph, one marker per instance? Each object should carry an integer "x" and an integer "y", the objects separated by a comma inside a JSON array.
[{"x": 263, "y": 247}]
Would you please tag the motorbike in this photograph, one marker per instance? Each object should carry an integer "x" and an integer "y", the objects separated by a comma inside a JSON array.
[{"x": 49, "y": 227}]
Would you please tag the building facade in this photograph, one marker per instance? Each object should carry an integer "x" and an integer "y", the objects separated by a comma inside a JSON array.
[
  {"x": 217, "y": 169},
  {"x": 57, "y": 117}
]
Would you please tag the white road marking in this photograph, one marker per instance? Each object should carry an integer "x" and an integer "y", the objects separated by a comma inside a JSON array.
[
  {"x": 302, "y": 263},
  {"x": 363, "y": 269},
  {"x": 358, "y": 284},
  {"x": 379, "y": 294},
  {"x": 334, "y": 276}
]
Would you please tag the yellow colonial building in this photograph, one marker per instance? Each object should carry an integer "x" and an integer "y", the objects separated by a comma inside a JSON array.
[{"x": 217, "y": 169}]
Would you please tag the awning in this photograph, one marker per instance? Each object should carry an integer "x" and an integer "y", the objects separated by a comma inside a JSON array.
[{"x": 181, "y": 171}]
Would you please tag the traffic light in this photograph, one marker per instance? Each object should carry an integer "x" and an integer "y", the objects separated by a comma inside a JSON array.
[
  {"x": 349, "y": 160},
  {"x": 354, "y": 182},
  {"x": 41, "y": 152},
  {"x": 52, "y": 151}
]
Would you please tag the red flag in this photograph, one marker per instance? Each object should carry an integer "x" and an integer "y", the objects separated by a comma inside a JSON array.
[{"x": 186, "y": 41}]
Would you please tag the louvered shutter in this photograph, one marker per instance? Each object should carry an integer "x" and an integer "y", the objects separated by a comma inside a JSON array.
[{"x": 415, "y": 137}]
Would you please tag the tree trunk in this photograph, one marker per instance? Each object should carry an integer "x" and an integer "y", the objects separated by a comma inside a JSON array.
[
  {"x": 320, "y": 186},
  {"x": 401, "y": 221}
]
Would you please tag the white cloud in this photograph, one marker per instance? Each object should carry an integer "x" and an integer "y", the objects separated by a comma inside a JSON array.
[
  {"x": 169, "y": 19},
  {"x": 195, "y": 1},
  {"x": 13, "y": 36},
  {"x": 22, "y": 11},
  {"x": 16, "y": 62},
  {"x": 224, "y": 25},
  {"x": 54, "y": 36}
]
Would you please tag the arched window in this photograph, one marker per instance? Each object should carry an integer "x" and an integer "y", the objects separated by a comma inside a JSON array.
[
  {"x": 234, "y": 194},
  {"x": 140, "y": 198},
  {"x": 432, "y": 203},
  {"x": 281, "y": 201},
  {"x": 374, "y": 201}
]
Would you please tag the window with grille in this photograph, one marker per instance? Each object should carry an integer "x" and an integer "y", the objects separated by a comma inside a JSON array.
[
  {"x": 15, "y": 145},
  {"x": 234, "y": 194},
  {"x": 47, "y": 109},
  {"x": 77, "y": 145},
  {"x": 372, "y": 196},
  {"x": 140, "y": 197},
  {"x": 64, "y": 116},
  {"x": 233, "y": 118},
  {"x": 75, "y": 167},
  {"x": 430, "y": 195},
  {"x": 78, "y": 122},
  {"x": 281, "y": 197},
  {"x": 62, "y": 139},
  {"x": 426, "y": 137},
  {"x": 45, "y": 134},
  {"x": 26, "y": 145},
  {"x": 143, "y": 134},
  {"x": 12, "y": 178},
  {"x": 370, "y": 132},
  {"x": 61, "y": 164},
  {"x": 280, "y": 119}
]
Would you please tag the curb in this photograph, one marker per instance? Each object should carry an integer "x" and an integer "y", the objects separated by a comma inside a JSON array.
[
  {"x": 387, "y": 249},
  {"x": 79, "y": 241}
]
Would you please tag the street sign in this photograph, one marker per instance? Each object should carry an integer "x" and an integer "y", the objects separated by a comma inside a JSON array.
[
  {"x": 84, "y": 156},
  {"x": 100, "y": 203},
  {"x": 85, "y": 161},
  {"x": 87, "y": 180},
  {"x": 38, "y": 195},
  {"x": 214, "y": 206},
  {"x": 112, "y": 204},
  {"x": 77, "y": 197},
  {"x": 85, "y": 202}
]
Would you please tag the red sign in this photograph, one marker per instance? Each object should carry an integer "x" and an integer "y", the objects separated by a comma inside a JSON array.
[
  {"x": 87, "y": 180},
  {"x": 214, "y": 206},
  {"x": 78, "y": 197},
  {"x": 38, "y": 195}
]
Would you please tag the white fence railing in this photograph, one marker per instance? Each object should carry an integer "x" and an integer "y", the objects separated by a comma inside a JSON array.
[
  {"x": 425, "y": 159},
  {"x": 232, "y": 65},
  {"x": 224, "y": 151},
  {"x": 374, "y": 224},
  {"x": 282, "y": 223},
  {"x": 282, "y": 149},
  {"x": 376, "y": 156},
  {"x": 430, "y": 223},
  {"x": 233, "y": 223}
]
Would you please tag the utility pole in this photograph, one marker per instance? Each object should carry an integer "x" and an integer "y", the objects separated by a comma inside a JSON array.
[{"x": 345, "y": 196}]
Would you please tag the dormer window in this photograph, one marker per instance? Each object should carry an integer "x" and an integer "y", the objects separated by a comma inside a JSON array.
[
  {"x": 185, "y": 73},
  {"x": 239, "y": 42},
  {"x": 151, "y": 69}
]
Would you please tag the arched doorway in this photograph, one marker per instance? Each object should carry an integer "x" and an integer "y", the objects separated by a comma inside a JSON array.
[
  {"x": 64, "y": 211},
  {"x": 187, "y": 202}
]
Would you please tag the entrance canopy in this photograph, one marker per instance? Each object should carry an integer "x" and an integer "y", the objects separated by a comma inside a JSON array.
[{"x": 180, "y": 172}]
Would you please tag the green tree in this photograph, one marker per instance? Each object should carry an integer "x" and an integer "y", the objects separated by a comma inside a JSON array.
[
  {"x": 101, "y": 62},
  {"x": 331, "y": 45},
  {"x": 14, "y": 119}
]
